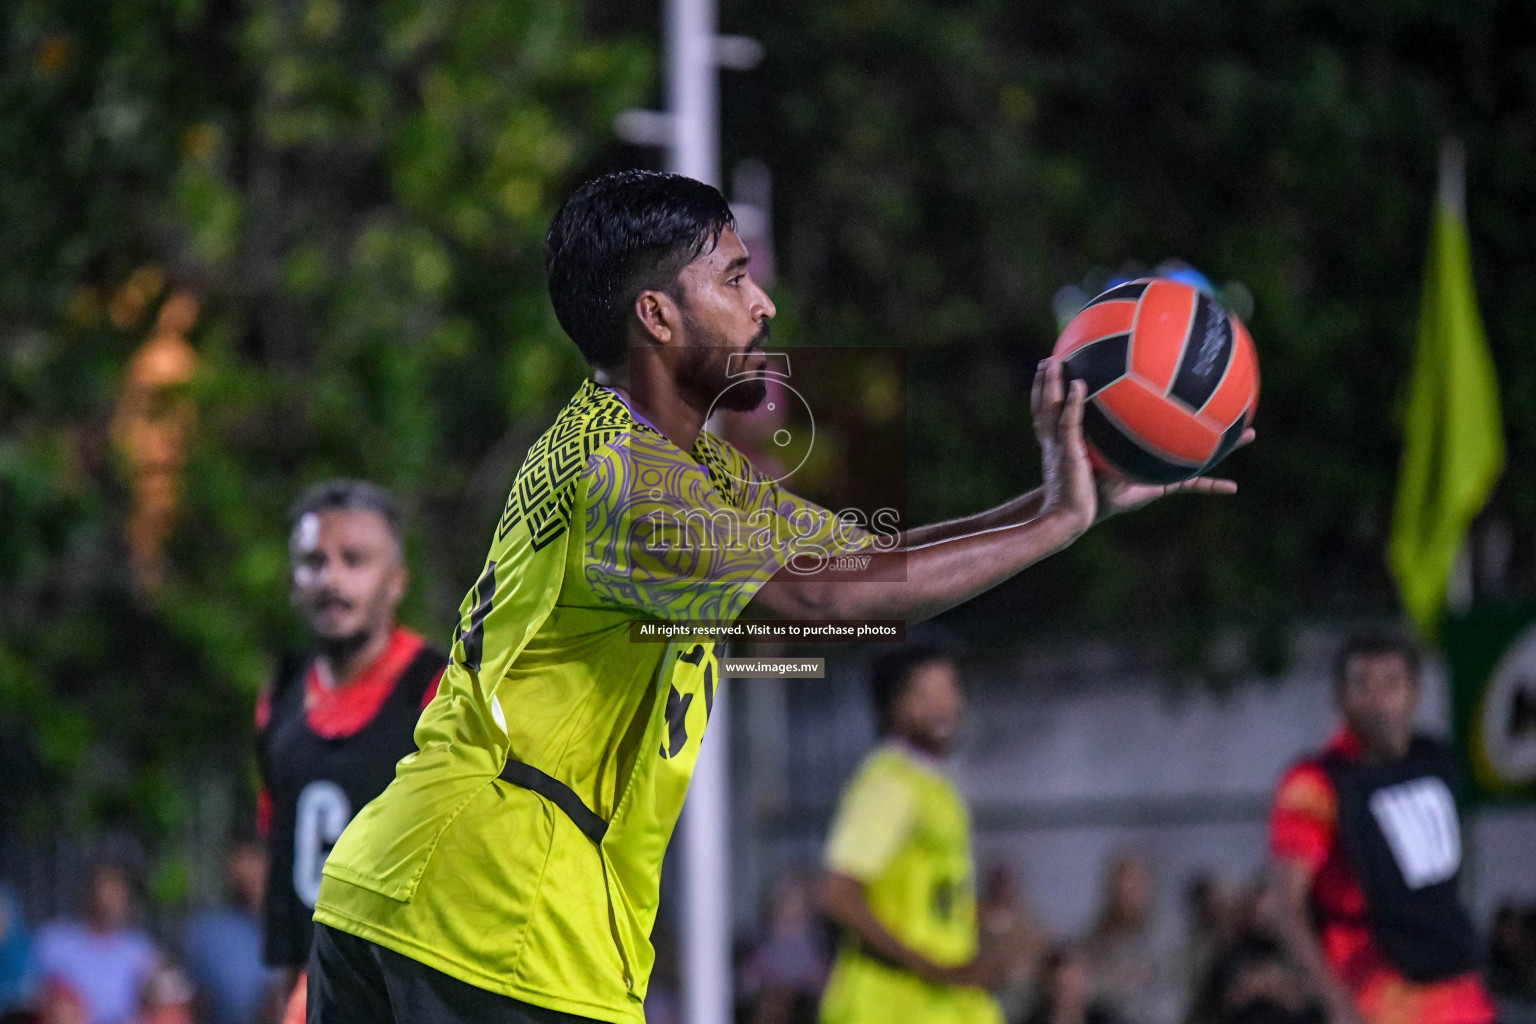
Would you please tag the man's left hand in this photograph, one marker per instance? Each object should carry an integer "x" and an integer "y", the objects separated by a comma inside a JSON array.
[{"x": 1121, "y": 494}]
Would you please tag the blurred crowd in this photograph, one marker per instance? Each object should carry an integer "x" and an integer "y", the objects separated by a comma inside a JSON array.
[
  {"x": 102, "y": 966},
  {"x": 1219, "y": 962}
]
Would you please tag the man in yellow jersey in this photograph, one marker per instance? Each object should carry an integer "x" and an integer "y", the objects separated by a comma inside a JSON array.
[
  {"x": 511, "y": 871},
  {"x": 900, "y": 883}
]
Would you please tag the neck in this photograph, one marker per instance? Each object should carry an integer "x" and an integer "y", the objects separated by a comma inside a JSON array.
[
  {"x": 654, "y": 393},
  {"x": 340, "y": 668},
  {"x": 1384, "y": 752},
  {"x": 923, "y": 751}
]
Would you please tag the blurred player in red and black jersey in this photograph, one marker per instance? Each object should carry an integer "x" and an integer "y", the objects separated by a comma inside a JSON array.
[
  {"x": 1368, "y": 852},
  {"x": 332, "y": 726}
]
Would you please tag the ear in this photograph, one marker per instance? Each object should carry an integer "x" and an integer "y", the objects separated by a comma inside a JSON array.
[
  {"x": 398, "y": 583},
  {"x": 658, "y": 315}
]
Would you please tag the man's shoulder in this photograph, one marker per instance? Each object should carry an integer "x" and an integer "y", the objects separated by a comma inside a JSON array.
[
  {"x": 1308, "y": 770},
  {"x": 1307, "y": 788},
  {"x": 729, "y": 469},
  {"x": 1427, "y": 746},
  {"x": 541, "y": 498},
  {"x": 642, "y": 463},
  {"x": 887, "y": 766}
]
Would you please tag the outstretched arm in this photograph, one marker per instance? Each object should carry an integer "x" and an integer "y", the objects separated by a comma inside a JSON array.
[
  {"x": 934, "y": 568},
  {"x": 921, "y": 580}
]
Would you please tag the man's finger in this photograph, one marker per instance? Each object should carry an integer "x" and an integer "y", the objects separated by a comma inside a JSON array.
[
  {"x": 1037, "y": 388},
  {"x": 1055, "y": 392},
  {"x": 1072, "y": 414},
  {"x": 1247, "y": 438},
  {"x": 1206, "y": 485}
]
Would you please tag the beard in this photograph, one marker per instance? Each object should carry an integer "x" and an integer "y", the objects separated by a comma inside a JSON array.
[
  {"x": 707, "y": 374},
  {"x": 339, "y": 649}
]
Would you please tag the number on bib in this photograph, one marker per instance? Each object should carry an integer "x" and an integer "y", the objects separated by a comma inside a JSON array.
[
  {"x": 323, "y": 812},
  {"x": 1419, "y": 820}
]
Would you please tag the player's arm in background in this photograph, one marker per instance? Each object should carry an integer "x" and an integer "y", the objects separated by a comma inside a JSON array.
[
  {"x": 873, "y": 821},
  {"x": 284, "y": 979},
  {"x": 1301, "y": 832}
]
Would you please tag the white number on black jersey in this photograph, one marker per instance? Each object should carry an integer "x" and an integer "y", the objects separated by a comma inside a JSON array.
[
  {"x": 1419, "y": 820},
  {"x": 323, "y": 812}
]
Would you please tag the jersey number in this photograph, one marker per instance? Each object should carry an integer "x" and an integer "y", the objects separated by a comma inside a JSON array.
[
  {"x": 677, "y": 704},
  {"x": 323, "y": 812},
  {"x": 1419, "y": 820}
]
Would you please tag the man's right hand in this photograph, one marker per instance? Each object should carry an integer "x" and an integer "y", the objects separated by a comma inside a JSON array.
[{"x": 1069, "y": 488}]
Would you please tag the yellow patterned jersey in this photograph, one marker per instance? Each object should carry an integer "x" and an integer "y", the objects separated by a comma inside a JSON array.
[
  {"x": 902, "y": 829},
  {"x": 489, "y": 881}
]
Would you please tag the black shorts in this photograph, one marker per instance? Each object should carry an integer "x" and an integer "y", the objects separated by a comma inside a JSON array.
[{"x": 354, "y": 981}]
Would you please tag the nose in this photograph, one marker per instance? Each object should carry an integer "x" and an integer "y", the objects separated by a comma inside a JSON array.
[{"x": 763, "y": 308}]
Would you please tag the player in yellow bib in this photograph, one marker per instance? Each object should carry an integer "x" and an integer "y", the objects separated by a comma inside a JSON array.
[
  {"x": 900, "y": 883},
  {"x": 511, "y": 871}
]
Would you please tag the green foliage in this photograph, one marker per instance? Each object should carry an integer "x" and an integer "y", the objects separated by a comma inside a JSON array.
[
  {"x": 942, "y": 169},
  {"x": 357, "y": 193}
]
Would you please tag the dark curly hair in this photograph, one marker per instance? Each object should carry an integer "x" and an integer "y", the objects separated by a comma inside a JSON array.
[
  {"x": 620, "y": 235},
  {"x": 892, "y": 670}
]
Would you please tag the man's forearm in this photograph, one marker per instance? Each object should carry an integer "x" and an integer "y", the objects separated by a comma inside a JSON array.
[
  {"x": 1021, "y": 509},
  {"x": 1301, "y": 944},
  {"x": 843, "y": 902},
  {"x": 932, "y": 577}
]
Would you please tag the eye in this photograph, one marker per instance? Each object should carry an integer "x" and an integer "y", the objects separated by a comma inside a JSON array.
[{"x": 735, "y": 282}]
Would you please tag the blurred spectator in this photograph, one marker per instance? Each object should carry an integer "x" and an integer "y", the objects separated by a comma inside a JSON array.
[
  {"x": 782, "y": 977},
  {"x": 18, "y": 967},
  {"x": 1127, "y": 965},
  {"x": 1252, "y": 983},
  {"x": 1012, "y": 939},
  {"x": 61, "y": 1004},
  {"x": 1066, "y": 991},
  {"x": 168, "y": 998},
  {"x": 105, "y": 960},
  {"x": 1512, "y": 964},
  {"x": 223, "y": 947},
  {"x": 1216, "y": 914}
]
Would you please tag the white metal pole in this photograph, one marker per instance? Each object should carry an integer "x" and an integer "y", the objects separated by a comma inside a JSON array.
[
  {"x": 692, "y": 90},
  {"x": 705, "y": 942},
  {"x": 706, "y": 939}
]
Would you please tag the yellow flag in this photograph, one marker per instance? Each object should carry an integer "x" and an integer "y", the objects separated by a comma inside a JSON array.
[{"x": 1453, "y": 448}]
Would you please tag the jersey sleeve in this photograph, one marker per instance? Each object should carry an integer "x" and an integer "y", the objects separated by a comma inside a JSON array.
[
  {"x": 1301, "y": 826},
  {"x": 661, "y": 541},
  {"x": 263, "y": 794},
  {"x": 873, "y": 820},
  {"x": 667, "y": 540}
]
